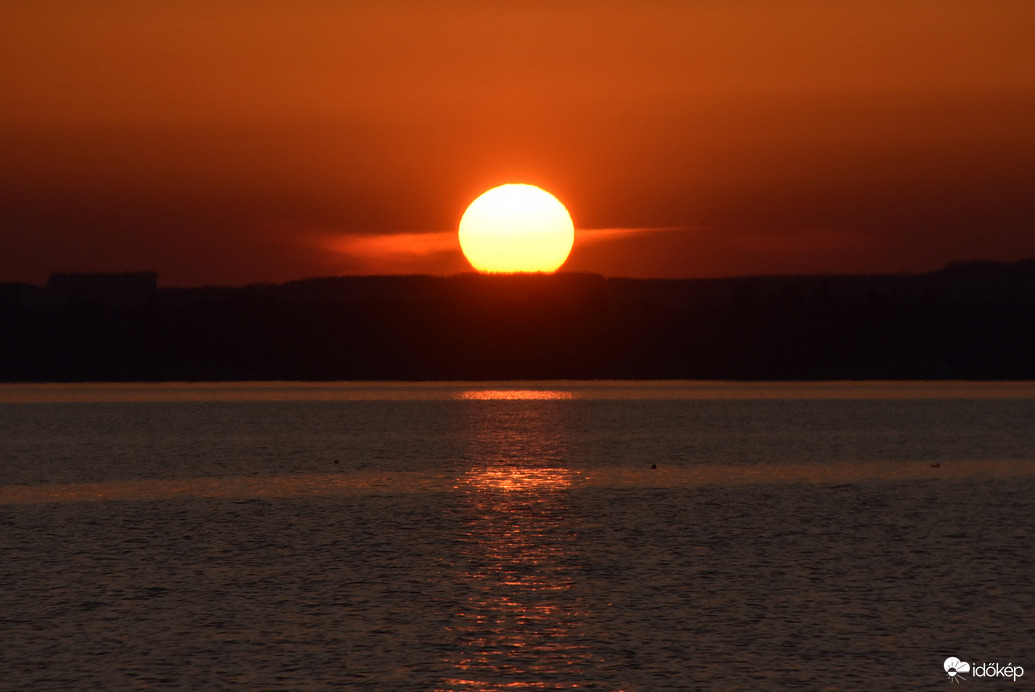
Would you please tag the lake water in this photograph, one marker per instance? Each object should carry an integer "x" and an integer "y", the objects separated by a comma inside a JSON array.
[{"x": 515, "y": 536}]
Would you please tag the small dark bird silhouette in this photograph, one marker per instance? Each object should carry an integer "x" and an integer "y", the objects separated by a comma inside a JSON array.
[
  {"x": 335, "y": 461},
  {"x": 654, "y": 466},
  {"x": 935, "y": 466}
]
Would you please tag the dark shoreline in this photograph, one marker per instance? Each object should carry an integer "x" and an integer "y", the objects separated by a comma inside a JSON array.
[{"x": 969, "y": 321}]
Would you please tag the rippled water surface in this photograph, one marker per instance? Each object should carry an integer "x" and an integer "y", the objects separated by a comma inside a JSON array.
[{"x": 558, "y": 536}]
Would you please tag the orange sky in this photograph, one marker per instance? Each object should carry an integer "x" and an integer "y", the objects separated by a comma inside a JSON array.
[{"x": 234, "y": 142}]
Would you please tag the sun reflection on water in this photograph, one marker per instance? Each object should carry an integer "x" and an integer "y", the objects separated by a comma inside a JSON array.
[
  {"x": 519, "y": 479},
  {"x": 520, "y": 625},
  {"x": 515, "y": 394}
]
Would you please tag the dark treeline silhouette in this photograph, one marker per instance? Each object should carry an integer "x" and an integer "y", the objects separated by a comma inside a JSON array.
[{"x": 967, "y": 321}]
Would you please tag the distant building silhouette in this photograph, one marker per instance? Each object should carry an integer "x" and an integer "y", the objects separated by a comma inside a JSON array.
[{"x": 122, "y": 288}]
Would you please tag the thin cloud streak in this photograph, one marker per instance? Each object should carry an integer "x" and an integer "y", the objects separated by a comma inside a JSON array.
[
  {"x": 396, "y": 244},
  {"x": 598, "y": 235},
  {"x": 434, "y": 252},
  {"x": 438, "y": 252}
]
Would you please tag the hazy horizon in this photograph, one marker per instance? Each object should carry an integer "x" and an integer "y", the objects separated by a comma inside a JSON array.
[{"x": 468, "y": 271}]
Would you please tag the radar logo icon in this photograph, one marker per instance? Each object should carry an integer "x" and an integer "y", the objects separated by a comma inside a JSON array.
[{"x": 954, "y": 667}]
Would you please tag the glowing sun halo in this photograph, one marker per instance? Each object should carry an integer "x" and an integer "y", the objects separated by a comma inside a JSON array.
[{"x": 516, "y": 228}]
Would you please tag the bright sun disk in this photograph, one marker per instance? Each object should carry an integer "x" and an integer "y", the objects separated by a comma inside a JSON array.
[{"x": 516, "y": 228}]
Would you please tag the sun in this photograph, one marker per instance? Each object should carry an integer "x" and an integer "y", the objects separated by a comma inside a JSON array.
[{"x": 516, "y": 228}]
